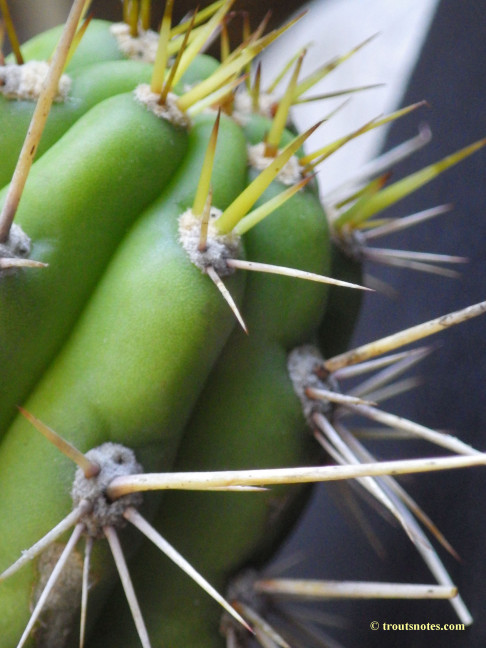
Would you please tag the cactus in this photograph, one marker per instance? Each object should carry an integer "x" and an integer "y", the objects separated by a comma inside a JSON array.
[{"x": 160, "y": 222}]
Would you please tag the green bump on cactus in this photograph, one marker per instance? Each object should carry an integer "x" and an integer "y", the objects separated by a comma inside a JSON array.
[
  {"x": 80, "y": 198},
  {"x": 261, "y": 413},
  {"x": 109, "y": 166},
  {"x": 97, "y": 45},
  {"x": 172, "y": 318},
  {"x": 84, "y": 89}
]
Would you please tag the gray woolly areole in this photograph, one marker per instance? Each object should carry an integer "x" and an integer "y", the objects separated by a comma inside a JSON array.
[
  {"x": 302, "y": 364},
  {"x": 241, "y": 590},
  {"x": 243, "y": 106},
  {"x": 219, "y": 247},
  {"x": 26, "y": 81},
  {"x": 169, "y": 110},
  {"x": 352, "y": 243},
  {"x": 138, "y": 48},
  {"x": 17, "y": 246},
  {"x": 288, "y": 175},
  {"x": 114, "y": 460}
]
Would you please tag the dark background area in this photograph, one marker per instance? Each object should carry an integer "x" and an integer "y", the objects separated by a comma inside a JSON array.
[{"x": 450, "y": 76}]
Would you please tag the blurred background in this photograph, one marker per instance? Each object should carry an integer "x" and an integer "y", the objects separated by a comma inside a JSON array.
[
  {"x": 423, "y": 50},
  {"x": 32, "y": 16}
]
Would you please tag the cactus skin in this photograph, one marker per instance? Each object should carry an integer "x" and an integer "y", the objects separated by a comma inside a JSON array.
[
  {"x": 97, "y": 45},
  {"x": 100, "y": 174},
  {"x": 261, "y": 425},
  {"x": 162, "y": 328},
  {"x": 90, "y": 86}
]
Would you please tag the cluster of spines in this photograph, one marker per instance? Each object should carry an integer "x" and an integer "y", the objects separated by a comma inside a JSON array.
[{"x": 345, "y": 449}]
